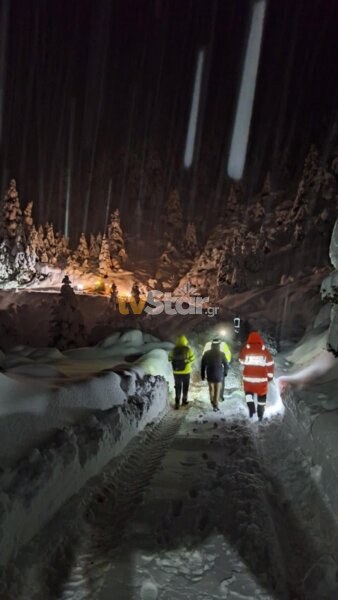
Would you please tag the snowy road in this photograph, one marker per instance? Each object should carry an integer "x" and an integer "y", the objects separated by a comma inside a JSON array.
[{"x": 203, "y": 505}]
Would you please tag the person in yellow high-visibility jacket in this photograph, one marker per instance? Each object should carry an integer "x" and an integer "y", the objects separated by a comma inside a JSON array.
[
  {"x": 223, "y": 346},
  {"x": 181, "y": 358}
]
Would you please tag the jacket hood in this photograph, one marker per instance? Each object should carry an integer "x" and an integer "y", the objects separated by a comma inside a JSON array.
[
  {"x": 255, "y": 339},
  {"x": 181, "y": 341}
]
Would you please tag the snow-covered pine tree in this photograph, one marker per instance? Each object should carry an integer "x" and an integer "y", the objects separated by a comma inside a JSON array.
[
  {"x": 50, "y": 244},
  {"x": 173, "y": 219},
  {"x": 6, "y": 267},
  {"x": 190, "y": 240},
  {"x": 33, "y": 239},
  {"x": 68, "y": 329},
  {"x": 94, "y": 247},
  {"x": 309, "y": 184},
  {"x": 115, "y": 238},
  {"x": 257, "y": 211},
  {"x": 99, "y": 242},
  {"x": 31, "y": 258},
  {"x": 82, "y": 252},
  {"x": 40, "y": 248},
  {"x": 62, "y": 250},
  {"x": 28, "y": 218},
  {"x": 104, "y": 258},
  {"x": 12, "y": 211}
]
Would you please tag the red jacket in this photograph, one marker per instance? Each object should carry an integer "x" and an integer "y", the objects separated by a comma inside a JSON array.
[{"x": 258, "y": 365}]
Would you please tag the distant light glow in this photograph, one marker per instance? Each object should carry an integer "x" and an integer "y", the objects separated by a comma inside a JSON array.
[
  {"x": 79, "y": 286},
  {"x": 192, "y": 128},
  {"x": 241, "y": 128}
]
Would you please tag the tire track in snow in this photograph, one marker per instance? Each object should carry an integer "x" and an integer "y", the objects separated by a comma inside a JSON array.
[
  {"x": 222, "y": 489},
  {"x": 305, "y": 525},
  {"x": 67, "y": 559},
  {"x": 224, "y": 481},
  {"x": 113, "y": 503}
]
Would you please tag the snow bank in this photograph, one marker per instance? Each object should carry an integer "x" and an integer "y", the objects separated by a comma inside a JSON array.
[
  {"x": 63, "y": 419},
  {"x": 40, "y": 396},
  {"x": 38, "y": 486},
  {"x": 312, "y": 409}
]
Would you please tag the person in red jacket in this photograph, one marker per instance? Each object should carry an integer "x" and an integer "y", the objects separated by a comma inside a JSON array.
[{"x": 258, "y": 371}]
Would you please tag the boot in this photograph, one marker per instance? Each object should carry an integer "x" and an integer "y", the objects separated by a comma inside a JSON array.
[
  {"x": 252, "y": 409},
  {"x": 260, "y": 411}
]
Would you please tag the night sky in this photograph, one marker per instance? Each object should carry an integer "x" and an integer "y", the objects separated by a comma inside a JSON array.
[{"x": 94, "y": 89}]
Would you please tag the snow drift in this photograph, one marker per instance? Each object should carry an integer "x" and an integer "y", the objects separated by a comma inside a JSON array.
[{"x": 61, "y": 422}]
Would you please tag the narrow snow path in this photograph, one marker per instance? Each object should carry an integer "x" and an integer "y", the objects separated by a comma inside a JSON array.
[{"x": 202, "y": 506}]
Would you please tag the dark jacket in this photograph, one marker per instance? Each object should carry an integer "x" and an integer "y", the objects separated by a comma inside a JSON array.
[{"x": 215, "y": 365}]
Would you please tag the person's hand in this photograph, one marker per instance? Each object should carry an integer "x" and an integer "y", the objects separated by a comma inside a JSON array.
[{"x": 282, "y": 384}]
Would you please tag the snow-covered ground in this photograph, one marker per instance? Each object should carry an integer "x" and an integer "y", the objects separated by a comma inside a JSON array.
[
  {"x": 201, "y": 505},
  {"x": 64, "y": 416}
]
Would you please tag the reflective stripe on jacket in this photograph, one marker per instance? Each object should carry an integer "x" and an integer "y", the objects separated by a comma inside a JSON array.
[{"x": 258, "y": 366}]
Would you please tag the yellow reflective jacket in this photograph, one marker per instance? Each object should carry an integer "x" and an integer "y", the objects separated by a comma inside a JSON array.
[
  {"x": 223, "y": 348},
  {"x": 190, "y": 357}
]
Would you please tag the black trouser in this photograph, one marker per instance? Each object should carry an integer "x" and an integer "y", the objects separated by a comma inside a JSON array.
[
  {"x": 261, "y": 401},
  {"x": 181, "y": 387}
]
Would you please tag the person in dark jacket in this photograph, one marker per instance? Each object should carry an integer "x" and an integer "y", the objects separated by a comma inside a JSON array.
[{"x": 215, "y": 367}]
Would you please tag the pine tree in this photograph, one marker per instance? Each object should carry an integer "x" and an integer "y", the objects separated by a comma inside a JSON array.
[
  {"x": 94, "y": 247},
  {"x": 173, "y": 218},
  {"x": 12, "y": 211},
  {"x": 99, "y": 242},
  {"x": 257, "y": 211},
  {"x": 115, "y": 238},
  {"x": 190, "y": 240},
  {"x": 31, "y": 258},
  {"x": 309, "y": 186},
  {"x": 68, "y": 329},
  {"x": 82, "y": 252},
  {"x": 104, "y": 258},
  {"x": 232, "y": 204},
  {"x": 28, "y": 218},
  {"x": 50, "y": 244},
  {"x": 33, "y": 239},
  {"x": 6, "y": 268},
  {"x": 61, "y": 245},
  {"x": 41, "y": 248}
]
